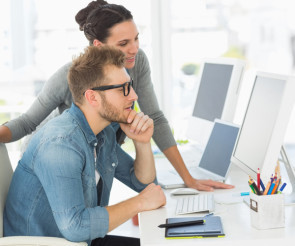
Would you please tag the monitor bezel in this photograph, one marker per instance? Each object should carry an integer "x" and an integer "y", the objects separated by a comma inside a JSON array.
[{"x": 279, "y": 129}]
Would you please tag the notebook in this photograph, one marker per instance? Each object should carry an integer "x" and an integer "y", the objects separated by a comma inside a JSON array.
[
  {"x": 215, "y": 161},
  {"x": 212, "y": 227}
]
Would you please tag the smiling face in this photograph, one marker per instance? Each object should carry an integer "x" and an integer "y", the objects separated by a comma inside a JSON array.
[
  {"x": 124, "y": 36},
  {"x": 115, "y": 107}
]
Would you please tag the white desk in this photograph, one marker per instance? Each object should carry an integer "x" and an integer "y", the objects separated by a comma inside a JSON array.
[{"x": 235, "y": 220}]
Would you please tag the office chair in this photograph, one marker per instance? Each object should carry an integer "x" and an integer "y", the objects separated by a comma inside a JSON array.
[{"x": 5, "y": 178}]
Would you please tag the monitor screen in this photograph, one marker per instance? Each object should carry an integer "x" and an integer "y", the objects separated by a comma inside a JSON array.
[
  {"x": 216, "y": 97},
  {"x": 218, "y": 151},
  {"x": 212, "y": 91},
  {"x": 263, "y": 129}
]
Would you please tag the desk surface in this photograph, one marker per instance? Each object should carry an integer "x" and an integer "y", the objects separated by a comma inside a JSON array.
[{"x": 235, "y": 219}]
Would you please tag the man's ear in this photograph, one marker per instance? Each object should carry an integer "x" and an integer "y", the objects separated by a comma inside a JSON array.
[
  {"x": 97, "y": 43},
  {"x": 92, "y": 98}
]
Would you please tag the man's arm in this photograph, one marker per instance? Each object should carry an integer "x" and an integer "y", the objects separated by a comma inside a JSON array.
[
  {"x": 152, "y": 197},
  {"x": 61, "y": 178},
  {"x": 140, "y": 129},
  {"x": 144, "y": 163}
]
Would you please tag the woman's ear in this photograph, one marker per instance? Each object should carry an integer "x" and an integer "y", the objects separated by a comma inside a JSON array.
[{"x": 97, "y": 43}]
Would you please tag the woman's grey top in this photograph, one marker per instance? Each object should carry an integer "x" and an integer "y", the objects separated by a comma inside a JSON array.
[{"x": 55, "y": 97}]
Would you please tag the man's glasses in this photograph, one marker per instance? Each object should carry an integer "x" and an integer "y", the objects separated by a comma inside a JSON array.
[{"x": 126, "y": 87}]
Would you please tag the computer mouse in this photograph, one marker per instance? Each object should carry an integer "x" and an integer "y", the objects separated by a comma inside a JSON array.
[{"x": 184, "y": 191}]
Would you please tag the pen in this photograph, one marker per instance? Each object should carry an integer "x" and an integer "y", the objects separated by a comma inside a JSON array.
[
  {"x": 271, "y": 188},
  {"x": 271, "y": 178},
  {"x": 267, "y": 188},
  {"x": 275, "y": 177},
  {"x": 277, "y": 169},
  {"x": 262, "y": 185},
  {"x": 251, "y": 186},
  {"x": 184, "y": 223},
  {"x": 275, "y": 187},
  {"x": 258, "y": 179},
  {"x": 256, "y": 189},
  {"x": 283, "y": 187},
  {"x": 278, "y": 185},
  {"x": 245, "y": 193}
]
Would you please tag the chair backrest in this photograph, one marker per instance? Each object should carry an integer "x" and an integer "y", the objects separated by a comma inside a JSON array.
[{"x": 5, "y": 179}]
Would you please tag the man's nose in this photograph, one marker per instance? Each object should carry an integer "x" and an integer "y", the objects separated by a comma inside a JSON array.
[{"x": 132, "y": 95}]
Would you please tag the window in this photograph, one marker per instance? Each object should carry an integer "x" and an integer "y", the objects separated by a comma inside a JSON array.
[{"x": 39, "y": 36}]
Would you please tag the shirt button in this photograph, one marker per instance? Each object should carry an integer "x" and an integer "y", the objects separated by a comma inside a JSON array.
[
  {"x": 113, "y": 164},
  {"x": 95, "y": 144}
]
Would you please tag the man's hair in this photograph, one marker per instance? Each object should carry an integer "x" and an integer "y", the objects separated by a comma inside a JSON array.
[{"x": 88, "y": 69}]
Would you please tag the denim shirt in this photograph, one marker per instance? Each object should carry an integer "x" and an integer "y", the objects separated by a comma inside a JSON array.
[{"x": 53, "y": 190}]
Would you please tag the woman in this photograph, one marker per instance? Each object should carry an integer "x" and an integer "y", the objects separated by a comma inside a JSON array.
[{"x": 109, "y": 24}]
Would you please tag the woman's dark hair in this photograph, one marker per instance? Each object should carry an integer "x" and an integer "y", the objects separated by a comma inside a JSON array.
[{"x": 98, "y": 17}]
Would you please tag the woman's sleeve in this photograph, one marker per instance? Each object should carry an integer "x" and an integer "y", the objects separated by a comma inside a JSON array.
[
  {"x": 148, "y": 102},
  {"x": 52, "y": 95}
]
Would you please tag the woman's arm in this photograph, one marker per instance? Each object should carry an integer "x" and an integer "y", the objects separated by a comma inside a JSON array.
[
  {"x": 55, "y": 93},
  {"x": 148, "y": 102},
  {"x": 162, "y": 133},
  {"x": 5, "y": 134},
  {"x": 176, "y": 160}
]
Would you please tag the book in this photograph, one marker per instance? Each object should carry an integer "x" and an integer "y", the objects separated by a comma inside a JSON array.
[{"x": 212, "y": 227}]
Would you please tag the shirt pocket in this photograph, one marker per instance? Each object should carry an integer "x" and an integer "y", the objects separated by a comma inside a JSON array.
[{"x": 111, "y": 166}]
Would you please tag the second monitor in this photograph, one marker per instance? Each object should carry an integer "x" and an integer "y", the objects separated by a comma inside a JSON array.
[{"x": 217, "y": 96}]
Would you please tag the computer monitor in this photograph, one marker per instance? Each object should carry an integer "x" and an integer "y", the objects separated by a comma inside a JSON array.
[
  {"x": 217, "y": 95},
  {"x": 264, "y": 125}
]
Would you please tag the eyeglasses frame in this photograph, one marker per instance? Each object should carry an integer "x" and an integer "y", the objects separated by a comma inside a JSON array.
[{"x": 109, "y": 87}]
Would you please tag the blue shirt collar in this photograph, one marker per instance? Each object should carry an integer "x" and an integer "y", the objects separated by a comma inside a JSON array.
[{"x": 78, "y": 115}]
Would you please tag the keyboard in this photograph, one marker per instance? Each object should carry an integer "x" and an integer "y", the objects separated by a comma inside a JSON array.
[{"x": 195, "y": 204}]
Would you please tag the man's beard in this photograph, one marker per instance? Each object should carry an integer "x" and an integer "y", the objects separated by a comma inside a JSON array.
[{"x": 110, "y": 113}]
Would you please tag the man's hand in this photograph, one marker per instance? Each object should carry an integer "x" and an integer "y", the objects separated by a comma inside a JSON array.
[
  {"x": 207, "y": 185},
  {"x": 152, "y": 197},
  {"x": 140, "y": 127}
]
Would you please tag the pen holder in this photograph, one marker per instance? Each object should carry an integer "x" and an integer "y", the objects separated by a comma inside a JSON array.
[{"x": 267, "y": 211}]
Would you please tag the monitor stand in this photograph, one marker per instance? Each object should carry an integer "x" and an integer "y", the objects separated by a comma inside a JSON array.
[{"x": 289, "y": 198}]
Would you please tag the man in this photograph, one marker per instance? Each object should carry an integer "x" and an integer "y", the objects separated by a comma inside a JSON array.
[{"x": 62, "y": 184}]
